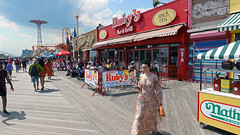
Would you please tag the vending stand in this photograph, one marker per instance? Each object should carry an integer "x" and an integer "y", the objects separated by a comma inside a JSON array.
[{"x": 219, "y": 105}]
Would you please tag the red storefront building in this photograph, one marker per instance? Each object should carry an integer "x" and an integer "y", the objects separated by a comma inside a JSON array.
[{"x": 159, "y": 35}]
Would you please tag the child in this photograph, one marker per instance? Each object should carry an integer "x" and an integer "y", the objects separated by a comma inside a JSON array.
[{"x": 9, "y": 69}]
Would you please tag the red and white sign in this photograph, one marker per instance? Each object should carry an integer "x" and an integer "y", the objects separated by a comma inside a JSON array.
[
  {"x": 221, "y": 112},
  {"x": 182, "y": 54},
  {"x": 135, "y": 16}
]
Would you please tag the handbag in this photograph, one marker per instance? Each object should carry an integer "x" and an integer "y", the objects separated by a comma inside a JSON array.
[{"x": 161, "y": 111}]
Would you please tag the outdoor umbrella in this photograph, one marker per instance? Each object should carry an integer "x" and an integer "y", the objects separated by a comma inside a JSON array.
[
  {"x": 63, "y": 53},
  {"x": 43, "y": 56},
  {"x": 52, "y": 55}
]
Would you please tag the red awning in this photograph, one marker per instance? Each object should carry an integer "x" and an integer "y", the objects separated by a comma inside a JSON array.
[
  {"x": 164, "y": 32},
  {"x": 100, "y": 44},
  {"x": 122, "y": 40}
]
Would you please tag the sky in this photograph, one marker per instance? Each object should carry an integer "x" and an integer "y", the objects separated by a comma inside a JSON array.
[{"x": 17, "y": 33}]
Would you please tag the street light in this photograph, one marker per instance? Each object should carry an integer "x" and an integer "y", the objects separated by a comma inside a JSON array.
[{"x": 77, "y": 16}]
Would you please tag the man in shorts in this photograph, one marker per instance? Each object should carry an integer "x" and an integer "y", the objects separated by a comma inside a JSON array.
[
  {"x": 34, "y": 71},
  {"x": 3, "y": 91}
]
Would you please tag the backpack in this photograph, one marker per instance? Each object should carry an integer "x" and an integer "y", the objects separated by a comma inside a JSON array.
[{"x": 34, "y": 71}]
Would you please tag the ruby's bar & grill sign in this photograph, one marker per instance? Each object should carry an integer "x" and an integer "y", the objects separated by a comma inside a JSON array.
[
  {"x": 221, "y": 112},
  {"x": 126, "y": 20}
]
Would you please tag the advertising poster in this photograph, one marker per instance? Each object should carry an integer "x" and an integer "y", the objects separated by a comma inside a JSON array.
[
  {"x": 91, "y": 77},
  {"x": 118, "y": 77}
]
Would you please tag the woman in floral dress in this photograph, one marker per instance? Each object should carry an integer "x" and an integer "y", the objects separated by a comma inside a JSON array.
[{"x": 147, "y": 118}]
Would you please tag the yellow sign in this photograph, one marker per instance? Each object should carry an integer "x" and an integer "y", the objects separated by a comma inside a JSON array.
[
  {"x": 164, "y": 17},
  {"x": 234, "y": 6},
  {"x": 219, "y": 111},
  {"x": 103, "y": 34}
]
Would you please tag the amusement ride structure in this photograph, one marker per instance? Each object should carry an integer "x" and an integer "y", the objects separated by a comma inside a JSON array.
[{"x": 39, "y": 36}]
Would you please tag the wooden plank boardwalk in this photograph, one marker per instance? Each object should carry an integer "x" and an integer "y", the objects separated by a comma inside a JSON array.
[
  {"x": 66, "y": 109},
  {"x": 41, "y": 113}
]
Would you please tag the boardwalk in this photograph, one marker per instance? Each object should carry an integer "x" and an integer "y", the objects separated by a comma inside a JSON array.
[
  {"x": 41, "y": 113},
  {"x": 64, "y": 108}
]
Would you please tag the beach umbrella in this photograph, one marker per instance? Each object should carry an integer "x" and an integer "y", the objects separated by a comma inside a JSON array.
[
  {"x": 63, "y": 53},
  {"x": 52, "y": 55}
]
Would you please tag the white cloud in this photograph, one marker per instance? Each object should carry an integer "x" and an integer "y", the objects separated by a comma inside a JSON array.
[
  {"x": 118, "y": 14},
  {"x": 143, "y": 9},
  {"x": 120, "y": 1},
  {"x": 8, "y": 25},
  {"x": 92, "y": 12}
]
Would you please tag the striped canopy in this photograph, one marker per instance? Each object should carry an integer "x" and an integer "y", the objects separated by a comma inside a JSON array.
[
  {"x": 231, "y": 23},
  {"x": 229, "y": 51}
]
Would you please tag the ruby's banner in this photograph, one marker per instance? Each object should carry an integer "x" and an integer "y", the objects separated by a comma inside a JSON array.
[
  {"x": 91, "y": 77},
  {"x": 118, "y": 77}
]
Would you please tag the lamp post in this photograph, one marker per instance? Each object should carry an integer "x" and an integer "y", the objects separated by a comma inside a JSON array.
[{"x": 76, "y": 16}]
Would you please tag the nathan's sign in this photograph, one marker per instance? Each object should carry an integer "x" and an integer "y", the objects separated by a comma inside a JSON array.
[
  {"x": 164, "y": 17},
  {"x": 126, "y": 20},
  {"x": 221, "y": 112}
]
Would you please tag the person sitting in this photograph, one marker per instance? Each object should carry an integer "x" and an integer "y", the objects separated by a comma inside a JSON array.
[
  {"x": 80, "y": 71},
  {"x": 58, "y": 66},
  {"x": 69, "y": 69},
  {"x": 109, "y": 64},
  {"x": 93, "y": 67},
  {"x": 132, "y": 66}
]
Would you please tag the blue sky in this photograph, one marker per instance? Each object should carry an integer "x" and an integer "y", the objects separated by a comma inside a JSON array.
[{"x": 17, "y": 33}]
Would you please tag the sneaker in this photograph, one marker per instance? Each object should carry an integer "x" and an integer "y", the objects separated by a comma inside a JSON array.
[
  {"x": 6, "y": 112},
  {"x": 42, "y": 88}
]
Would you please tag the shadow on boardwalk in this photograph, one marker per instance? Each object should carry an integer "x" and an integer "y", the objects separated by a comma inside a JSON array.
[
  {"x": 12, "y": 116},
  {"x": 48, "y": 90}
]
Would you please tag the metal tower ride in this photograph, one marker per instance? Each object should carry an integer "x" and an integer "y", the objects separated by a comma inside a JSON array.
[{"x": 39, "y": 36}]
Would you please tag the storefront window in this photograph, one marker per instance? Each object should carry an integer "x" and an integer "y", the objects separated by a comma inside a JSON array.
[
  {"x": 93, "y": 54},
  {"x": 111, "y": 55},
  {"x": 164, "y": 60},
  {"x": 136, "y": 56},
  {"x": 142, "y": 55},
  {"x": 161, "y": 45},
  {"x": 237, "y": 36},
  {"x": 103, "y": 56},
  {"x": 173, "y": 54},
  {"x": 143, "y": 46},
  {"x": 176, "y": 44},
  {"x": 122, "y": 59},
  {"x": 130, "y": 57},
  {"x": 149, "y": 56},
  {"x": 156, "y": 58}
]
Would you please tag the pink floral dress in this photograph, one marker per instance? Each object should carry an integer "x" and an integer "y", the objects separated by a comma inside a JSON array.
[{"x": 147, "y": 117}]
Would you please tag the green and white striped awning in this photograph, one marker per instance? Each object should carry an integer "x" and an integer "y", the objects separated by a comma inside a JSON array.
[
  {"x": 231, "y": 23},
  {"x": 229, "y": 51}
]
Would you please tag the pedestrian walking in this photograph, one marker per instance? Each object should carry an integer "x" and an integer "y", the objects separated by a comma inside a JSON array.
[
  {"x": 42, "y": 73},
  {"x": 17, "y": 64},
  {"x": 3, "y": 90},
  {"x": 34, "y": 71},
  {"x": 49, "y": 68},
  {"x": 147, "y": 118},
  {"x": 24, "y": 64},
  {"x": 9, "y": 69}
]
